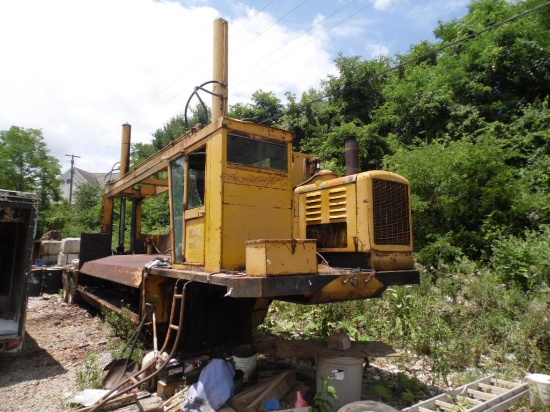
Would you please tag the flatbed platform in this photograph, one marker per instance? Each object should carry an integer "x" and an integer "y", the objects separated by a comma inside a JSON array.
[{"x": 309, "y": 288}]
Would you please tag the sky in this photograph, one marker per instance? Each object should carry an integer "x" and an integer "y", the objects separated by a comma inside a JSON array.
[{"x": 79, "y": 69}]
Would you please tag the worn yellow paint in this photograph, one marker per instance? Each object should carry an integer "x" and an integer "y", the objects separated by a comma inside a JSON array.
[
  {"x": 155, "y": 293},
  {"x": 349, "y": 199},
  {"x": 275, "y": 257},
  {"x": 194, "y": 235},
  {"x": 215, "y": 149},
  {"x": 252, "y": 212},
  {"x": 357, "y": 286}
]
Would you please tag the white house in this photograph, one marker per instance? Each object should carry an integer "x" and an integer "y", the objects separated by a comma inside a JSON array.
[{"x": 80, "y": 177}]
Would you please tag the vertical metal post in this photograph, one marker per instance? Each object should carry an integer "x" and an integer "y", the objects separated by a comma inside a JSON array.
[
  {"x": 220, "y": 69},
  {"x": 124, "y": 168},
  {"x": 352, "y": 156},
  {"x": 125, "y": 149},
  {"x": 72, "y": 156}
]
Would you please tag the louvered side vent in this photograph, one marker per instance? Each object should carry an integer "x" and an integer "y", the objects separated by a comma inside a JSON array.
[
  {"x": 391, "y": 212},
  {"x": 337, "y": 204},
  {"x": 313, "y": 208}
]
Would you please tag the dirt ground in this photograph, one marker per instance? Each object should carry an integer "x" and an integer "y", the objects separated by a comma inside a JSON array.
[{"x": 43, "y": 377}]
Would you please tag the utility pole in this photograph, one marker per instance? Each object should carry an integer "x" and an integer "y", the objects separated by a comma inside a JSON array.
[{"x": 72, "y": 156}]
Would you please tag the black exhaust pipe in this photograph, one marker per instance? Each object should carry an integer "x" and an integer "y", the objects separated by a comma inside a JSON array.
[{"x": 352, "y": 156}]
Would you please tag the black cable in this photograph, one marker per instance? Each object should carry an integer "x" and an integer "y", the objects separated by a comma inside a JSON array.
[{"x": 421, "y": 57}]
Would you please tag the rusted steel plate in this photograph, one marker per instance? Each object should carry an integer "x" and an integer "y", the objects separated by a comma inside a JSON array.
[
  {"x": 102, "y": 304},
  {"x": 279, "y": 348},
  {"x": 123, "y": 269},
  {"x": 306, "y": 288}
]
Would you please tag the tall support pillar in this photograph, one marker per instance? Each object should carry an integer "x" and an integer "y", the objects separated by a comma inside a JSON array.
[{"x": 220, "y": 69}]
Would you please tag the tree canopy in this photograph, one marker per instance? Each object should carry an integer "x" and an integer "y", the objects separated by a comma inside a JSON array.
[{"x": 27, "y": 166}]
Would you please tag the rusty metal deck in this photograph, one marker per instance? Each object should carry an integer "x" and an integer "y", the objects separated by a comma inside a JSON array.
[{"x": 127, "y": 270}]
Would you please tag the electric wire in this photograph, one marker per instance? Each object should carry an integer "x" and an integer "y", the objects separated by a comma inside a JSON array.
[
  {"x": 273, "y": 24},
  {"x": 200, "y": 59},
  {"x": 271, "y": 53},
  {"x": 311, "y": 40},
  {"x": 416, "y": 59},
  {"x": 252, "y": 17}
]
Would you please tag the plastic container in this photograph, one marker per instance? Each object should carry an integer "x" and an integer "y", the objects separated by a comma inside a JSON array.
[
  {"x": 271, "y": 405},
  {"x": 245, "y": 358},
  {"x": 346, "y": 376},
  {"x": 34, "y": 287},
  {"x": 52, "y": 280},
  {"x": 539, "y": 390}
]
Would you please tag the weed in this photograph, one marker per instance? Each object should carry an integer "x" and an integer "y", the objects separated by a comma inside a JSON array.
[
  {"x": 326, "y": 397},
  {"x": 89, "y": 372},
  {"x": 124, "y": 328}
]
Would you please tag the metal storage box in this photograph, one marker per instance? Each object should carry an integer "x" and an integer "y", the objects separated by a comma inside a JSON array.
[{"x": 277, "y": 257}]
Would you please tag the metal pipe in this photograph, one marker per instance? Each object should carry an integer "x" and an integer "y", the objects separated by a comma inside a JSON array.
[
  {"x": 125, "y": 149},
  {"x": 352, "y": 156},
  {"x": 220, "y": 69}
]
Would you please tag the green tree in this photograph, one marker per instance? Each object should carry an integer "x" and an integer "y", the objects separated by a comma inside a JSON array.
[
  {"x": 27, "y": 166},
  {"x": 457, "y": 189},
  {"x": 265, "y": 108}
]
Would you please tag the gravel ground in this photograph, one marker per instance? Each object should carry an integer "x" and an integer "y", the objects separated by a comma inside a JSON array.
[{"x": 43, "y": 377}]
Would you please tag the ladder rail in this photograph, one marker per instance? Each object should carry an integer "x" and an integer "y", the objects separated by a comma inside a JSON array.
[
  {"x": 134, "y": 378},
  {"x": 485, "y": 394}
]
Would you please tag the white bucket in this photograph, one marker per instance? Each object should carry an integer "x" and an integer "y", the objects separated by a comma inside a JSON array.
[
  {"x": 245, "y": 358},
  {"x": 346, "y": 376},
  {"x": 539, "y": 390}
]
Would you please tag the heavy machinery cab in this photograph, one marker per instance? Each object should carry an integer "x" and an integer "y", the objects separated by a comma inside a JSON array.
[{"x": 250, "y": 221}]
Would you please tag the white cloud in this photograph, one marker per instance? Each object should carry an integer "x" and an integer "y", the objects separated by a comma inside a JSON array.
[
  {"x": 79, "y": 69},
  {"x": 383, "y": 4},
  {"x": 376, "y": 50}
]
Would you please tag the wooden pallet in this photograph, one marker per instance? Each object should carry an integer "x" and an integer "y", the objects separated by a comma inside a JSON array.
[{"x": 486, "y": 394}]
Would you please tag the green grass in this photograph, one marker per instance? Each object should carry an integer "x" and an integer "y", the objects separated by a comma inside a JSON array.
[{"x": 461, "y": 319}]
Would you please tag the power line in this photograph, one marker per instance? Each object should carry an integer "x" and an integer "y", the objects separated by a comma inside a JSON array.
[
  {"x": 193, "y": 65},
  {"x": 281, "y": 18},
  {"x": 271, "y": 53},
  {"x": 422, "y": 57},
  {"x": 314, "y": 38}
]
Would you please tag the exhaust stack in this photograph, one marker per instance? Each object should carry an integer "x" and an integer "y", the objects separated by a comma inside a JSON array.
[
  {"x": 125, "y": 149},
  {"x": 352, "y": 156},
  {"x": 220, "y": 69}
]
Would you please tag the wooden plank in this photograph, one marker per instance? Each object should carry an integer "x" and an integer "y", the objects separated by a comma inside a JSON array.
[
  {"x": 492, "y": 388},
  {"x": 276, "y": 389},
  {"x": 472, "y": 401},
  {"x": 505, "y": 384},
  {"x": 278, "y": 348},
  {"x": 167, "y": 390},
  {"x": 243, "y": 399},
  {"x": 422, "y": 409},
  {"x": 488, "y": 405},
  {"x": 483, "y": 396},
  {"x": 446, "y": 406},
  {"x": 152, "y": 404}
]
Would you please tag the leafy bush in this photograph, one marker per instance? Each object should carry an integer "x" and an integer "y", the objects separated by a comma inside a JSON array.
[{"x": 523, "y": 261}]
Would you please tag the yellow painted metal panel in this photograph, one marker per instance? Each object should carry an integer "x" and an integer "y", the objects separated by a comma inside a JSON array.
[
  {"x": 215, "y": 149},
  {"x": 248, "y": 222},
  {"x": 194, "y": 236},
  {"x": 280, "y": 257}
]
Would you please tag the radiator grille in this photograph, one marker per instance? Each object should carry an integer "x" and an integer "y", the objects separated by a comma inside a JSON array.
[
  {"x": 313, "y": 208},
  {"x": 337, "y": 203},
  {"x": 391, "y": 212}
]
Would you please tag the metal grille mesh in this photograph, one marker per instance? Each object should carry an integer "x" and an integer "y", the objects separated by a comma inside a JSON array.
[{"x": 391, "y": 212}]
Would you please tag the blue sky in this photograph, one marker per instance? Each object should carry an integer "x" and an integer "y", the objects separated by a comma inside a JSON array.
[{"x": 79, "y": 69}]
